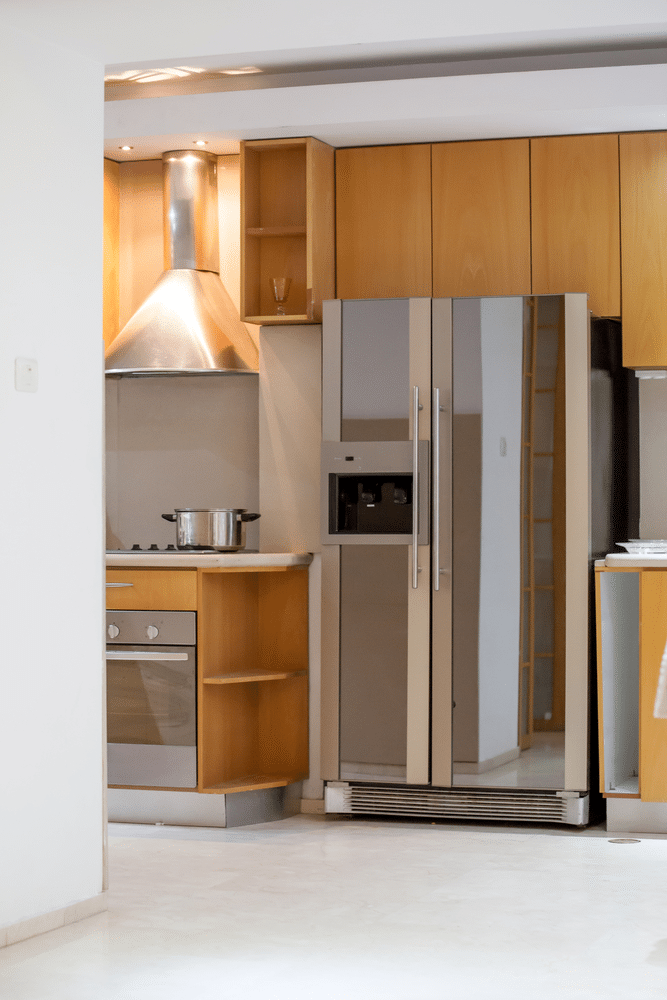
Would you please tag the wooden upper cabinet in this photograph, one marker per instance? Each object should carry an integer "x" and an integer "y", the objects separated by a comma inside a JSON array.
[
  {"x": 383, "y": 222},
  {"x": 287, "y": 228},
  {"x": 481, "y": 218},
  {"x": 575, "y": 219},
  {"x": 644, "y": 247}
]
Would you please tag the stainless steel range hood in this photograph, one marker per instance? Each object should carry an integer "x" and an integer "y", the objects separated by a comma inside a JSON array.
[{"x": 188, "y": 325}]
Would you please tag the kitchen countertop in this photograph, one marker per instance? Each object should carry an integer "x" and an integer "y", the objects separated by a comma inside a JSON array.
[
  {"x": 214, "y": 560},
  {"x": 629, "y": 560}
]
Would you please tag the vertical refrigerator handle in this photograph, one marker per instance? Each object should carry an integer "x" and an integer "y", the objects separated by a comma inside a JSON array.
[
  {"x": 436, "y": 489},
  {"x": 416, "y": 407}
]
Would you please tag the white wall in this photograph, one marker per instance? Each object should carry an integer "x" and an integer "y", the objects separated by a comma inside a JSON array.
[{"x": 51, "y": 571}]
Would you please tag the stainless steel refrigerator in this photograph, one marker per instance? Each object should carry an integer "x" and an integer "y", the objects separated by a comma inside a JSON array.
[{"x": 456, "y": 537}]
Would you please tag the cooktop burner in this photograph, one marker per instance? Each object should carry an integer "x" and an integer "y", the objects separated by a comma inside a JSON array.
[
  {"x": 171, "y": 549},
  {"x": 168, "y": 550}
]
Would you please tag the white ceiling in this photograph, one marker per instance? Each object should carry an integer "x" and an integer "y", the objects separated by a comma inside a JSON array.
[
  {"x": 126, "y": 33},
  {"x": 376, "y": 71},
  {"x": 549, "y": 102}
]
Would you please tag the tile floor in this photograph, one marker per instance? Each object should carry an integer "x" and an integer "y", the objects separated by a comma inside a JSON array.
[
  {"x": 543, "y": 766},
  {"x": 341, "y": 909}
]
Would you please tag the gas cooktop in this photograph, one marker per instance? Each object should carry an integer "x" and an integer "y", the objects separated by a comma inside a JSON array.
[
  {"x": 149, "y": 548},
  {"x": 169, "y": 550}
]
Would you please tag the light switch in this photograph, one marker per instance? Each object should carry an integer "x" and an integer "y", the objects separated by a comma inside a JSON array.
[{"x": 25, "y": 375}]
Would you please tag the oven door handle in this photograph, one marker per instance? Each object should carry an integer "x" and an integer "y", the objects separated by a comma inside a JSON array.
[{"x": 139, "y": 654}]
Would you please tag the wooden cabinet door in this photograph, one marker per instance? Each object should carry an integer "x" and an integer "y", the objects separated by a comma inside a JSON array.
[
  {"x": 481, "y": 218},
  {"x": 643, "y": 160},
  {"x": 575, "y": 218},
  {"x": 652, "y": 732},
  {"x": 152, "y": 589},
  {"x": 383, "y": 222}
]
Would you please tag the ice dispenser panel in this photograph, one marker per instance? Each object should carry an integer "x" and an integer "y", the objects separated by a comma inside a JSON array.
[
  {"x": 370, "y": 504},
  {"x": 368, "y": 495}
]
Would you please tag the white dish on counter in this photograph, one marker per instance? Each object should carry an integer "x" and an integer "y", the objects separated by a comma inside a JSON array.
[{"x": 645, "y": 546}]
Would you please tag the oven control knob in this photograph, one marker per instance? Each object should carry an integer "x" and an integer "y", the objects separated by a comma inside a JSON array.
[
  {"x": 112, "y": 631},
  {"x": 152, "y": 632}
]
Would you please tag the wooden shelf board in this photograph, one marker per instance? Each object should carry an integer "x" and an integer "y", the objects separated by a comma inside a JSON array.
[
  {"x": 273, "y": 320},
  {"x": 219, "y": 570},
  {"x": 276, "y": 231},
  {"x": 624, "y": 788},
  {"x": 253, "y": 675},
  {"x": 252, "y": 782}
]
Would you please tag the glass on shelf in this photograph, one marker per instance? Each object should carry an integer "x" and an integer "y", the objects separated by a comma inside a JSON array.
[{"x": 280, "y": 288}]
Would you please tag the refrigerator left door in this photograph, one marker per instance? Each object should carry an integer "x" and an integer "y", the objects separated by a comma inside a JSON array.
[{"x": 376, "y": 588}]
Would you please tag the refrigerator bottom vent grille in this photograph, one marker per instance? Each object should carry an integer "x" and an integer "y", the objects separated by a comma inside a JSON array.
[{"x": 536, "y": 807}]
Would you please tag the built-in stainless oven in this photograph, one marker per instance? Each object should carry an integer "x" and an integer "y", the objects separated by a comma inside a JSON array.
[{"x": 152, "y": 698}]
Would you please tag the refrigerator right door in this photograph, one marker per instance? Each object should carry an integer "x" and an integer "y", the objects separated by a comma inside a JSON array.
[{"x": 512, "y": 602}]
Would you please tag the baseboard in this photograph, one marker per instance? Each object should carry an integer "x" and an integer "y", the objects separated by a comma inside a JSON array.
[
  {"x": 490, "y": 764},
  {"x": 53, "y": 920},
  {"x": 635, "y": 816},
  {"x": 313, "y": 806}
]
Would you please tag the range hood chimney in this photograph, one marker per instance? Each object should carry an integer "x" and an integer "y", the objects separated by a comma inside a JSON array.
[{"x": 188, "y": 325}]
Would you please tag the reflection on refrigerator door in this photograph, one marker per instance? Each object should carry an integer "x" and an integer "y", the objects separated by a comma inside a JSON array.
[{"x": 508, "y": 510}]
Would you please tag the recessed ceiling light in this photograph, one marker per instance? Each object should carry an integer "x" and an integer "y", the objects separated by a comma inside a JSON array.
[
  {"x": 240, "y": 70},
  {"x": 201, "y": 142},
  {"x": 155, "y": 76},
  {"x": 120, "y": 77},
  {"x": 126, "y": 148}
]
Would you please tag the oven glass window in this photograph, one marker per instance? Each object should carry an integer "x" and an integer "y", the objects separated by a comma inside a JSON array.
[{"x": 152, "y": 702}]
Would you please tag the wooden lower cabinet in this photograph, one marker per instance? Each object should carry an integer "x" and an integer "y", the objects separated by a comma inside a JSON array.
[
  {"x": 652, "y": 732},
  {"x": 631, "y": 636},
  {"x": 152, "y": 589},
  {"x": 252, "y": 666},
  {"x": 253, "y": 683}
]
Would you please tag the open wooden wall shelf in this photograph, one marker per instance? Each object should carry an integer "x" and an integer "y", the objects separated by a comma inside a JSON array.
[
  {"x": 287, "y": 228},
  {"x": 253, "y": 679}
]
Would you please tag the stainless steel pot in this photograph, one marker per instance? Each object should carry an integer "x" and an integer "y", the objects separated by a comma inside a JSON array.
[{"x": 223, "y": 529}]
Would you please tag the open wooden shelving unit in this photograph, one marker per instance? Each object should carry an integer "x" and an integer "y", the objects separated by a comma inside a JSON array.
[
  {"x": 287, "y": 228},
  {"x": 253, "y": 678}
]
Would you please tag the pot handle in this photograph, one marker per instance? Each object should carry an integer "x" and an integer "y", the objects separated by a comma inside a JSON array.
[
  {"x": 169, "y": 517},
  {"x": 245, "y": 516}
]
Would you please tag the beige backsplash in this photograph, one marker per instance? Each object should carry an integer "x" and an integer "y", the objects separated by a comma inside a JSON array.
[{"x": 178, "y": 442}]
